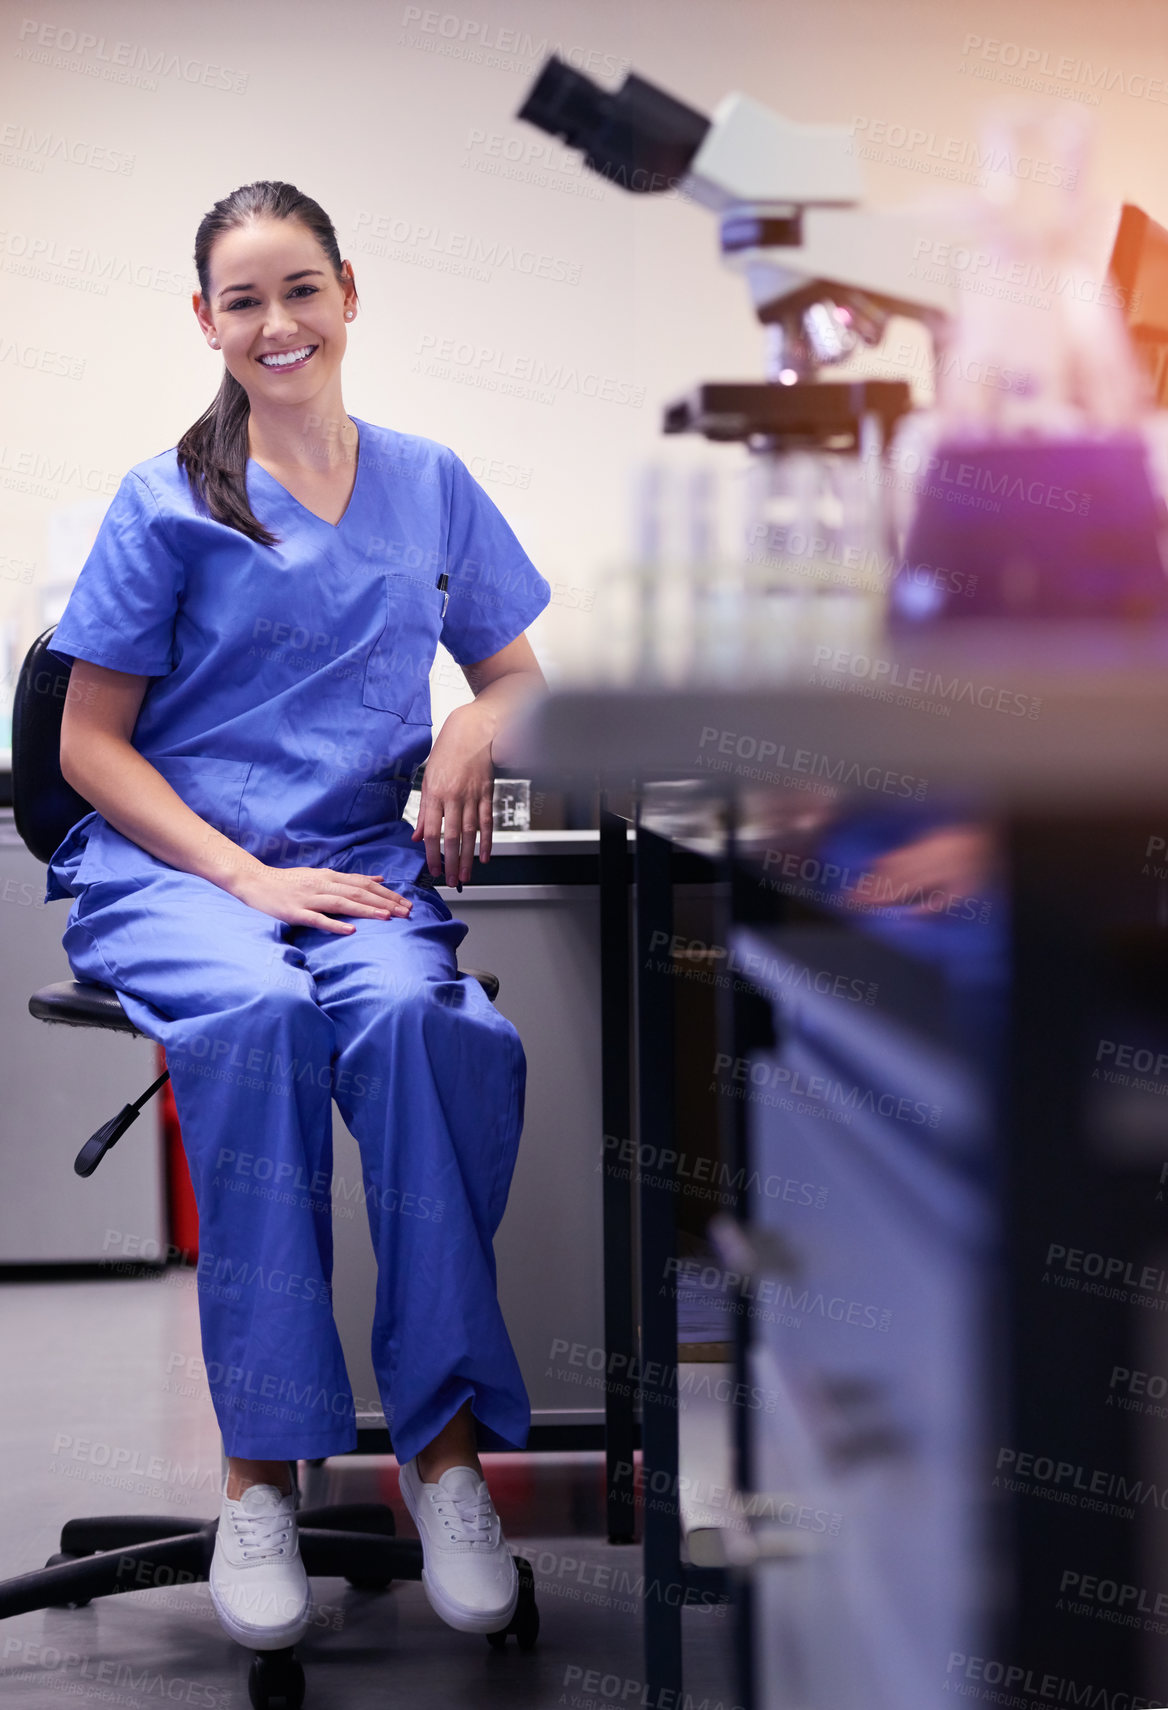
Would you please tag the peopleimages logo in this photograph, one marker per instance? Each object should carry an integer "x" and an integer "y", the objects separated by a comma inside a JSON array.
[
  {"x": 981, "y": 158},
  {"x": 600, "y": 1691},
  {"x": 503, "y": 44},
  {"x": 777, "y": 757},
  {"x": 1111, "y": 1592},
  {"x": 917, "y": 680},
  {"x": 498, "y": 370},
  {"x": 962, "y": 263},
  {"x": 1093, "y": 1489},
  {"x": 1109, "y": 1267},
  {"x": 1049, "y": 1687},
  {"x": 1083, "y": 77},
  {"x": 119, "y": 61},
  {"x": 736, "y": 1075}
]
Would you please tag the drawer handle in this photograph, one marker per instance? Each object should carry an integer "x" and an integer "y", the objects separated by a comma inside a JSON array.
[
  {"x": 751, "y": 1250},
  {"x": 762, "y": 1539}
]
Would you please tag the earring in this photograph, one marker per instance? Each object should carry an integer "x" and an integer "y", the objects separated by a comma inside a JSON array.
[
  {"x": 348, "y": 314},
  {"x": 214, "y": 344}
]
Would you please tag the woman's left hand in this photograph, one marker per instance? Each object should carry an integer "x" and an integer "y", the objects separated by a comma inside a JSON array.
[{"x": 457, "y": 788}]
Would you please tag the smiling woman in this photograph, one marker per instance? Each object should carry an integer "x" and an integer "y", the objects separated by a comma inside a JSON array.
[
  {"x": 290, "y": 322},
  {"x": 251, "y": 641}
]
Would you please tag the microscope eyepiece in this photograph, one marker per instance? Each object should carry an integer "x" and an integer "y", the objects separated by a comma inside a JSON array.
[
  {"x": 564, "y": 103},
  {"x": 639, "y": 137}
]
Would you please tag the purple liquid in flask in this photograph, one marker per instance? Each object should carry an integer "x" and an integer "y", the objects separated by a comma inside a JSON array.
[{"x": 1042, "y": 530}]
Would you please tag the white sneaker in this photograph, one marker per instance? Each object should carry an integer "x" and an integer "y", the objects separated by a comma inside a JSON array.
[
  {"x": 469, "y": 1574},
  {"x": 258, "y": 1583}
]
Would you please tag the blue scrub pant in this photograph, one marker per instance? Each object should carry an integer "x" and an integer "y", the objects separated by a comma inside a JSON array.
[{"x": 264, "y": 1024}]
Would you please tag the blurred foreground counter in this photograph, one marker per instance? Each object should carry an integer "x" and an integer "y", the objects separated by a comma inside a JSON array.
[
  {"x": 1026, "y": 714},
  {"x": 937, "y": 1062}
]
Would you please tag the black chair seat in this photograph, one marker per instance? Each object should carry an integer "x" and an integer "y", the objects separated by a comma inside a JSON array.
[
  {"x": 80, "y": 1004},
  {"x": 77, "y": 1003},
  {"x": 489, "y": 982}
]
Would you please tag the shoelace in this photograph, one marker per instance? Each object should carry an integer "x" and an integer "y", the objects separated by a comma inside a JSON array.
[
  {"x": 261, "y": 1534},
  {"x": 475, "y": 1515}
]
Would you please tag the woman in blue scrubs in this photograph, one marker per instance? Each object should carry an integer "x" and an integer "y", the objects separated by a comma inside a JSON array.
[{"x": 252, "y": 637}]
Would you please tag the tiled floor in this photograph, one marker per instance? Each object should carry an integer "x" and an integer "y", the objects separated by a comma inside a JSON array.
[{"x": 97, "y": 1377}]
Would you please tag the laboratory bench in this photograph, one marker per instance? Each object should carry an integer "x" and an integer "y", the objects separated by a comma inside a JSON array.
[{"x": 940, "y": 1054}]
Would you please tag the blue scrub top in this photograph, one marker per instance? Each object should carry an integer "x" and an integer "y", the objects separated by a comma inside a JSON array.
[{"x": 290, "y": 698}]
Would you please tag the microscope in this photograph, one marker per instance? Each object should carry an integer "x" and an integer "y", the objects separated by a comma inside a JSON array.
[
  {"x": 1032, "y": 526},
  {"x": 824, "y": 274}
]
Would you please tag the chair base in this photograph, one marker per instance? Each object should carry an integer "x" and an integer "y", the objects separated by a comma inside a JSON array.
[
  {"x": 104, "y": 1556},
  {"x": 352, "y": 1541}
]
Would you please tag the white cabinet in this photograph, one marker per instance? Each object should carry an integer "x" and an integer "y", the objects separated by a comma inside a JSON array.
[
  {"x": 543, "y": 942},
  {"x": 59, "y": 1085}
]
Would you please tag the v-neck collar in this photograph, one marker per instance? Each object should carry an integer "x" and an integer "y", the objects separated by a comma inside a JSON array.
[{"x": 292, "y": 499}]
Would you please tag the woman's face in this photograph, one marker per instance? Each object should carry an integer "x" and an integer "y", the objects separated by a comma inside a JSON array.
[{"x": 272, "y": 293}]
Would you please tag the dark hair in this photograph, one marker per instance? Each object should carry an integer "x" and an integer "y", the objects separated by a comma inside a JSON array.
[{"x": 214, "y": 450}]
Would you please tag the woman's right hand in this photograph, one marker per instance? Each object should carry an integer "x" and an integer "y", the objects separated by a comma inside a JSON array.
[{"x": 307, "y": 896}]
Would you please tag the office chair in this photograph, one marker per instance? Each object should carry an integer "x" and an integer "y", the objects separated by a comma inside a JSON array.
[{"x": 98, "y": 1557}]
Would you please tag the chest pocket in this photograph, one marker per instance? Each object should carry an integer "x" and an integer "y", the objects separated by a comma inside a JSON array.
[{"x": 397, "y": 672}]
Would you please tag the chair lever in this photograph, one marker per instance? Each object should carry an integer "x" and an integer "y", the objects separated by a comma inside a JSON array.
[{"x": 108, "y": 1135}]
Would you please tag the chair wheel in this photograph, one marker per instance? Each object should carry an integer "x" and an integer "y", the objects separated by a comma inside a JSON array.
[
  {"x": 62, "y": 1603},
  {"x": 275, "y": 1675},
  {"x": 526, "y": 1626},
  {"x": 525, "y": 1621},
  {"x": 368, "y": 1584}
]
